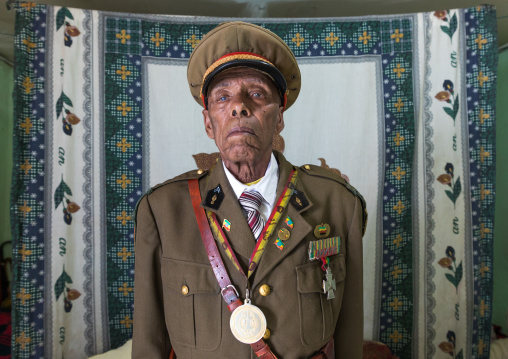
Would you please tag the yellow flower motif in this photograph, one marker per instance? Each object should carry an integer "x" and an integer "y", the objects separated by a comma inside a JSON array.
[
  {"x": 124, "y": 108},
  {"x": 123, "y": 36},
  {"x": 399, "y": 70},
  {"x": 28, "y": 5},
  {"x": 365, "y": 38},
  {"x": 28, "y": 43},
  {"x": 193, "y": 41},
  {"x": 332, "y": 39},
  {"x": 157, "y": 39},
  {"x": 298, "y": 39},
  {"x": 397, "y": 35}
]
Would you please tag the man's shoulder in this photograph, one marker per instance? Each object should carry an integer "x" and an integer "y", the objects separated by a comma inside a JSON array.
[
  {"x": 313, "y": 173},
  {"x": 320, "y": 176},
  {"x": 173, "y": 185},
  {"x": 193, "y": 174}
]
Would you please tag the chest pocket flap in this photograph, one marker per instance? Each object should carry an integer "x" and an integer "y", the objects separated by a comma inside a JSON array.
[
  {"x": 198, "y": 277},
  {"x": 192, "y": 304},
  {"x": 318, "y": 315},
  {"x": 310, "y": 276}
]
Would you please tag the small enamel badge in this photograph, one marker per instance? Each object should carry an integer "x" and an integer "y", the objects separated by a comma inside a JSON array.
[
  {"x": 289, "y": 222},
  {"x": 284, "y": 234},
  {"x": 322, "y": 230},
  {"x": 226, "y": 225},
  {"x": 279, "y": 244},
  {"x": 298, "y": 200},
  {"x": 323, "y": 248},
  {"x": 214, "y": 197}
]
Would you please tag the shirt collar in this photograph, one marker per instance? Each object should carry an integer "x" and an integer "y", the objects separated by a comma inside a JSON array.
[{"x": 267, "y": 187}]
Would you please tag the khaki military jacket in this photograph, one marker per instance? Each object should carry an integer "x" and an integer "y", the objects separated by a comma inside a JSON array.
[{"x": 195, "y": 322}]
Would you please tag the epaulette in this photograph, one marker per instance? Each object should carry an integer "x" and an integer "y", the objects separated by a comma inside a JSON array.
[
  {"x": 183, "y": 177},
  {"x": 313, "y": 170}
]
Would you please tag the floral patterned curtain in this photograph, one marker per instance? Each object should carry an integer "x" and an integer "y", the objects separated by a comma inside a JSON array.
[{"x": 403, "y": 104}]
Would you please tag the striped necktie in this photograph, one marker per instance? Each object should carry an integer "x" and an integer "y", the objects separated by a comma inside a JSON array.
[{"x": 251, "y": 202}]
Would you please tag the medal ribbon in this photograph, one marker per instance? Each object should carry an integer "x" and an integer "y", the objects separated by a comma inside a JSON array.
[{"x": 270, "y": 225}]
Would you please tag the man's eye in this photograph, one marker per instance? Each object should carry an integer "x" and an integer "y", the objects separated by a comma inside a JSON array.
[
  {"x": 223, "y": 98},
  {"x": 256, "y": 94}
]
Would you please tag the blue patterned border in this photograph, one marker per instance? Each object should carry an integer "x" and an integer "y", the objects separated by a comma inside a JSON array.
[
  {"x": 127, "y": 39},
  {"x": 481, "y": 39},
  {"x": 27, "y": 194}
]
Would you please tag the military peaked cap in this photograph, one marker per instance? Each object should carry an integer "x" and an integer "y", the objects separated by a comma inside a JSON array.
[{"x": 240, "y": 44}]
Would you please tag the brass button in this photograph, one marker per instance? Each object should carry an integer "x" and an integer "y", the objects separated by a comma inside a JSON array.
[
  {"x": 200, "y": 171},
  {"x": 264, "y": 290},
  {"x": 307, "y": 167},
  {"x": 185, "y": 290},
  {"x": 267, "y": 334}
]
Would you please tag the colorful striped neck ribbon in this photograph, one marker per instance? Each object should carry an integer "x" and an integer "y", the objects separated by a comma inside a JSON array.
[
  {"x": 270, "y": 226},
  {"x": 251, "y": 201}
]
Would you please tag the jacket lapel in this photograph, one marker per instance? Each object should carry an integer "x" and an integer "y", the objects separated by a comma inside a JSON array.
[
  {"x": 240, "y": 236},
  {"x": 272, "y": 255}
]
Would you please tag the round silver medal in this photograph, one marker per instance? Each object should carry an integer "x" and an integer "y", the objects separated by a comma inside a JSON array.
[{"x": 248, "y": 323}]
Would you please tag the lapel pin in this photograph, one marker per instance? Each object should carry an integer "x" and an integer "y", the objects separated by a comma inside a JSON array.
[
  {"x": 284, "y": 234},
  {"x": 289, "y": 222},
  {"x": 279, "y": 244},
  {"x": 226, "y": 225},
  {"x": 322, "y": 230}
]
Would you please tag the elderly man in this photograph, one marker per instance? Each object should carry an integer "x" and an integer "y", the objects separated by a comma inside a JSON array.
[{"x": 254, "y": 257}]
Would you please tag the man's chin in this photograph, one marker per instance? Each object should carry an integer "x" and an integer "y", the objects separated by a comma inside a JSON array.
[{"x": 242, "y": 153}]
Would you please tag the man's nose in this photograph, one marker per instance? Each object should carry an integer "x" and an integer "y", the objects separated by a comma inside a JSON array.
[{"x": 240, "y": 109}]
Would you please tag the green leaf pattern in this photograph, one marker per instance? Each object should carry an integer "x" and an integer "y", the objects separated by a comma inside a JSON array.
[
  {"x": 60, "y": 283},
  {"x": 451, "y": 23},
  {"x": 60, "y": 192},
  {"x": 61, "y": 15}
]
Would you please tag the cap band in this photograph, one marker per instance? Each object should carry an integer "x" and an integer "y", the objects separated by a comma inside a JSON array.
[
  {"x": 230, "y": 57},
  {"x": 244, "y": 59}
]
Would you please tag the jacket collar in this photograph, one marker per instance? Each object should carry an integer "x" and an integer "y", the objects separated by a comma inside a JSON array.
[
  {"x": 240, "y": 237},
  {"x": 226, "y": 206}
]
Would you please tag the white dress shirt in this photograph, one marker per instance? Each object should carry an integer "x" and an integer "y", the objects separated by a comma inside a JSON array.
[{"x": 267, "y": 187}]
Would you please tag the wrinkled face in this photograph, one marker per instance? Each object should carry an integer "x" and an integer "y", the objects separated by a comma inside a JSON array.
[{"x": 244, "y": 113}]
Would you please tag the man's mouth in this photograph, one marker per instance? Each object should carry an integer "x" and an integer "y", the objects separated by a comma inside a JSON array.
[{"x": 241, "y": 131}]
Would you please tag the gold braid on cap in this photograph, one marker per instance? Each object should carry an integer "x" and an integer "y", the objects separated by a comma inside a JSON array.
[{"x": 229, "y": 57}]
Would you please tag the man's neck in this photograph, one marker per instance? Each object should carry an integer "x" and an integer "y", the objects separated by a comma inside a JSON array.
[{"x": 247, "y": 172}]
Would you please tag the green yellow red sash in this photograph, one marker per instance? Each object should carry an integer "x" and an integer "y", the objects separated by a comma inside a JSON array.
[{"x": 270, "y": 225}]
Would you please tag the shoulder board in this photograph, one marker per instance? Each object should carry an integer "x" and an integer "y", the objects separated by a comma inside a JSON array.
[
  {"x": 183, "y": 177},
  {"x": 313, "y": 170}
]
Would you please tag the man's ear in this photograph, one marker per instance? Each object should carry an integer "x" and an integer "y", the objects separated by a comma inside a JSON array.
[
  {"x": 279, "y": 126},
  {"x": 208, "y": 124}
]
